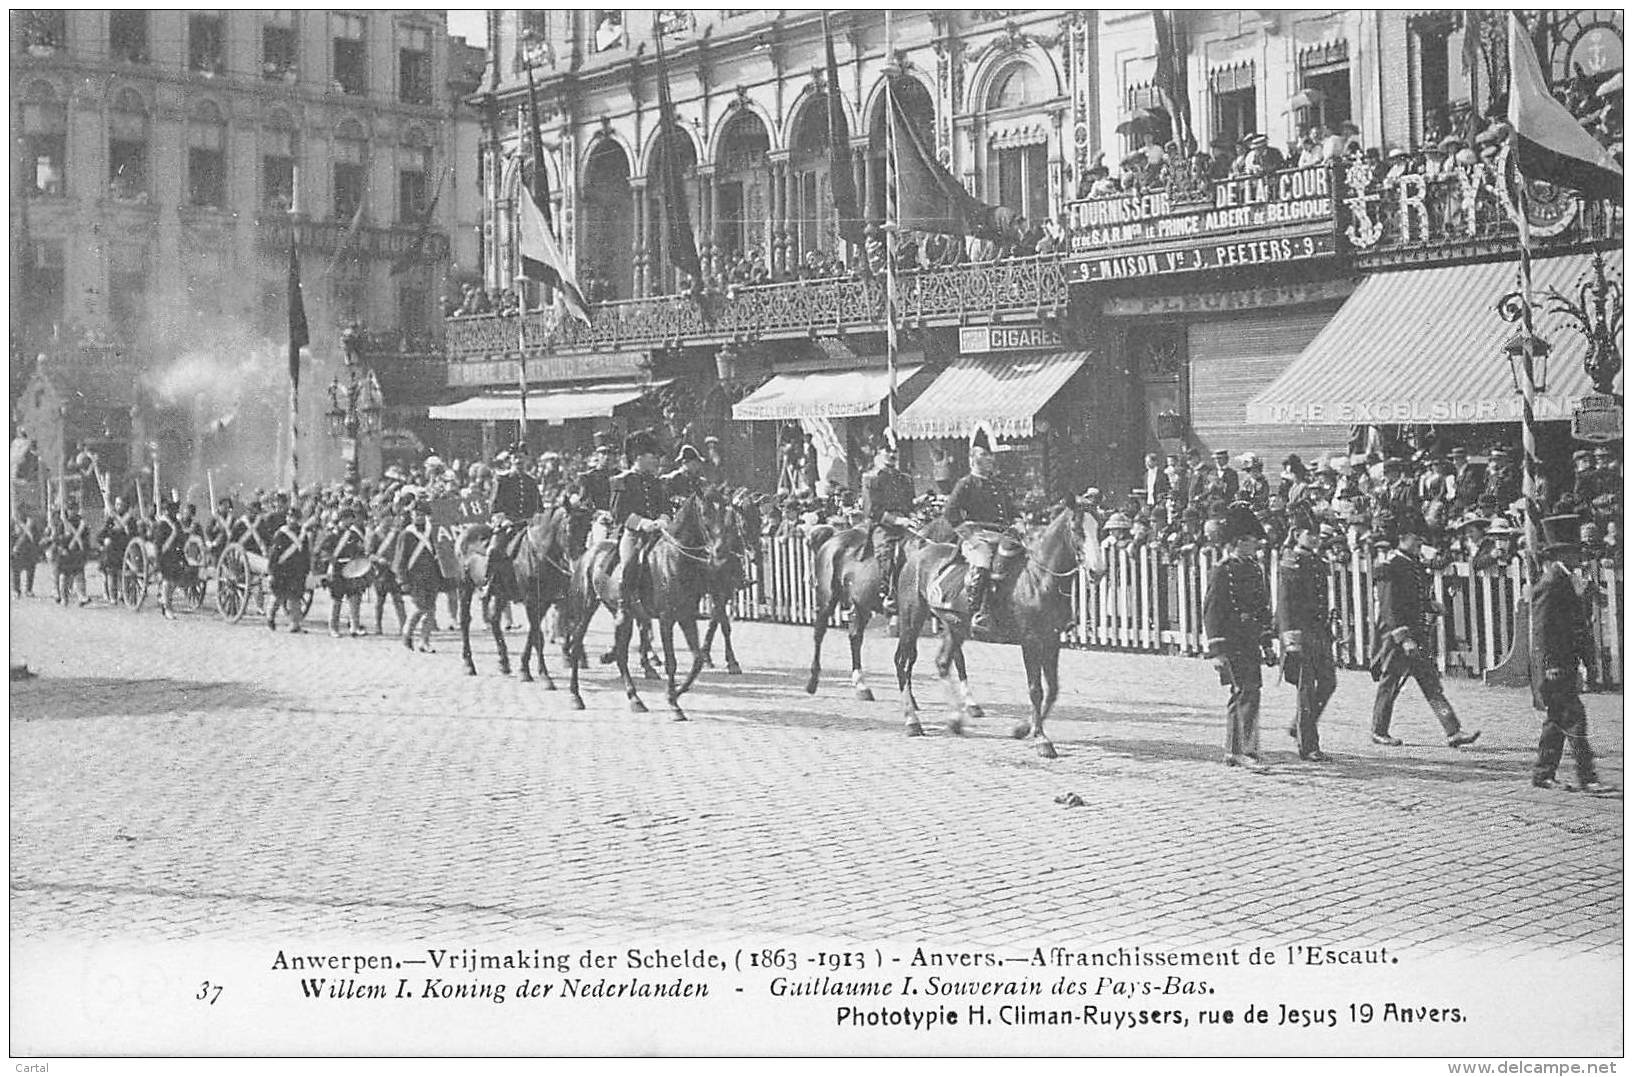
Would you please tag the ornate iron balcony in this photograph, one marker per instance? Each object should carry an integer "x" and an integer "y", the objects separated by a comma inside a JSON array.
[{"x": 952, "y": 295}]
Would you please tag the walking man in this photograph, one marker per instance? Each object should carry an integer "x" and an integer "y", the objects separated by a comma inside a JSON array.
[
  {"x": 1559, "y": 642},
  {"x": 1303, "y": 616},
  {"x": 1236, "y": 617},
  {"x": 1405, "y": 647}
]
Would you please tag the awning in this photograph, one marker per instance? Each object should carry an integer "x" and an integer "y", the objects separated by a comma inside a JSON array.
[
  {"x": 1000, "y": 393},
  {"x": 831, "y": 394},
  {"x": 1426, "y": 346},
  {"x": 546, "y": 405}
]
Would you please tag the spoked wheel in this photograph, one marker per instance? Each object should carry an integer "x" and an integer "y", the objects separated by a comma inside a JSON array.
[
  {"x": 197, "y": 592},
  {"x": 197, "y": 556},
  {"x": 232, "y": 583},
  {"x": 133, "y": 576}
]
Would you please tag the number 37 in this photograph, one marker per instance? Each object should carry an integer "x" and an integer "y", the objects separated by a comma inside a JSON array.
[{"x": 208, "y": 992}]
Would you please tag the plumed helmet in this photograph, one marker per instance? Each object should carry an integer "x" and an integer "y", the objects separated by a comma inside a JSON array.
[
  {"x": 1241, "y": 523},
  {"x": 980, "y": 439},
  {"x": 639, "y": 443},
  {"x": 686, "y": 453}
]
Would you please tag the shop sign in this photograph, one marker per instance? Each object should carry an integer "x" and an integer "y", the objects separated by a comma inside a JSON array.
[
  {"x": 979, "y": 339},
  {"x": 1201, "y": 256},
  {"x": 547, "y": 370},
  {"x": 1597, "y": 418},
  {"x": 1386, "y": 411},
  {"x": 1247, "y": 203},
  {"x": 1233, "y": 299}
]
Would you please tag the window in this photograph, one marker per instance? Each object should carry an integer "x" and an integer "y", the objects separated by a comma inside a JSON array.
[
  {"x": 204, "y": 46},
  {"x": 207, "y": 157},
  {"x": 1235, "y": 102},
  {"x": 1323, "y": 72},
  {"x": 127, "y": 36},
  {"x": 45, "y": 137},
  {"x": 413, "y": 179},
  {"x": 278, "y": 165},
  {"x": 414, "y": 67},
  {"x": 278, "y": 47},
  {"x": 414, "y": 307},
  {"x": 42, "y": 33},
  {"x": 350, "y": 70},
  {"x": 1023, "y": 180},
  {"x": 206, "y": 269},
  {"x": 127, "y": 149},
  {"x": 1433, "y": 33},
  {"x": 350, "y": 171},
  {"x": 1019, "y": 86},
  {"x": 43, "y": 287}
]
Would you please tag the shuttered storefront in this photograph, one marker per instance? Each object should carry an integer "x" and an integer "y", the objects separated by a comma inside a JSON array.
[{"x": 1231, "y": 362}]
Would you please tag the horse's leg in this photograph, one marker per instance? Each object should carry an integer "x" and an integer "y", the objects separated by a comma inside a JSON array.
[
  {"x": 818, "y": 630},
  {"x": 537, "y": 635},
  {"x": 907, "y": 653},
  {"x": 623, "y": 627},
  {"x": 688, "y": 628},
  {"x": 648, "y": 652},
  {"x": 1031, "y": 654},
  {"x": 577, "y": 622},
  {"x": 494, "y": 613},
  {"x": 666, "y": 635},
  {"x": 972, "y": 709},
  {"x": 708, "y": 637},
  {"x": 1051, "y": 692},
  {"x": 859, "y": 624},
  {"x": 723, "y": 615},
  {"x": 527, "y": 641},
  {"x": 466, "y": 590},
  {"x": 952, "y": 644}
]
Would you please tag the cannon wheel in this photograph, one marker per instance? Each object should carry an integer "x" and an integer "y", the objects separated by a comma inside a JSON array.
[
  {"x": 133, "y": 575},
  {"x": 232, "y": 583}
]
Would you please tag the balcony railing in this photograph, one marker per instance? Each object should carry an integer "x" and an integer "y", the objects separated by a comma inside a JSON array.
[{"x": 973, "y": 292}]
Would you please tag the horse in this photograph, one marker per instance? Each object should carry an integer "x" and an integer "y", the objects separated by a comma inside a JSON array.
[
  {"x": 847, "y": 573},
  {"x": 1034, "y": 605},
  {"x": 672, "y": 584},
  {"x": 553, "y": 539},
  {"x": 737, "y": 555}
]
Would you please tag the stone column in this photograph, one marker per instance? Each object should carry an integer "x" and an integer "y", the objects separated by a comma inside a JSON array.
[
  {"x": 779, "y": 215},
  {"x": 859, "y": 175},
  {"x": 713, "y": 237},
  {"x": 637, "y": 216}
]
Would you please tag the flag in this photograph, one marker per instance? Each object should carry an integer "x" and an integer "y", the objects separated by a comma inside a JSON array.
[
  {"x": 1170, "y": 78},
  {"x": 542, "y": 259},
  {"x": 349, "y": 237},
  {"x": 851, "y": 227},
  {"x": 416, "y": 250},
  {"x": 299, "y": 336},
  {"x": 928, "y": 198},
  {"x": 541, "y": 179},
  {"x": 1547, "y": 141},
  {"x": 677, "y": 222}
]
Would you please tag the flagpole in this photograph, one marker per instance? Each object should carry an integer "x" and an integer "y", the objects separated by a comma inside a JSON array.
[
  {"x": 1528, "y": 386},
  {"x": 890, "y": 231}
]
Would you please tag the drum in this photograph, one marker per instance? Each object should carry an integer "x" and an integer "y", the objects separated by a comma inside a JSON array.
[
  {"x": 358, "y": 568},
  {"x": 195, "y": 553}
]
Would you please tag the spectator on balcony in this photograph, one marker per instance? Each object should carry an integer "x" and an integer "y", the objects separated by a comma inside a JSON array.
[
  {"x": 1346, "y": 141},
  {"x": 1313, "y": 150}
]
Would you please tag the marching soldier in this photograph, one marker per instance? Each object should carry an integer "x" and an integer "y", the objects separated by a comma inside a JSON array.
[
  {"x": 289, "y": 561},
  {"x": 639, "y": 508},
  {"x": 1236, "y": 617},
  {"x": 169, "y": 540},
  {"x": 515, "y": 501},
  {"x": 1559, "y": 643},
  {"x": 887, "y": 505},
  {"x": 1405, "y": 640},
  {"x": 1304, "y": 618},
  {"x": 349, "y": 545},
  {"x": 686, "y": 480},
  {"x": 118, "y": 528},
  {"x": 25, "y": 553},
  {"x": 981, "y": 511},
  {"x": 416, "y": 568},
  {"x": 385, "y": 524},
  {"x": 73, "y": 542},
  {"x": 218, "y": 529}
]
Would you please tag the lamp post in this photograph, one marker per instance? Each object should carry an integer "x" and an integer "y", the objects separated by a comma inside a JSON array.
[
  {"x": 354, "y": 408},
  {"x": 1595, "y": 310}
]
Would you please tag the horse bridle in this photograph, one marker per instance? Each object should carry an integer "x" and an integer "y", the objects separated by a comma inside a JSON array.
[{"x": 1077, "y": 553}]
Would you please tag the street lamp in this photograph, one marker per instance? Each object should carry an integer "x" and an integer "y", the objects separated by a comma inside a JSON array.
[
  {"x": 354, "y": 408},
  {"x": 1596, "y": 313}
]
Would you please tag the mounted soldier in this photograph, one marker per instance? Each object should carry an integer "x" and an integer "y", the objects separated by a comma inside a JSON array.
[
  {"x": 887, "y": 506},
  {"x": 515, "y": 501},
  {"x": 639, "y": 508},
  {"x": 982, "y": 512},
  {"x": 687, "y": 479},
  {"x": 594, "y": 483}
]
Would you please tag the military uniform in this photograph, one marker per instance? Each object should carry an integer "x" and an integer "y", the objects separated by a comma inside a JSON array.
[
  {"x": 1405, "y": 647},
  {"x": 980, "y": 510},
  {"x": 289, "y": 560},
  {"x": 636, "y": 498},
  {"x": 1236, "y": 617},
  {"x": 1304, "y": 618},
  {"x": 416, "y": 567},
  {"x": 117, "y": 530},
  {"x": 680, "y": 484},
  {"x": 887, "y": 491},
  {"x": 515, "y": 501},
  {"x": 595, "y": 488},
  {"x": 25, "y": 554},
  {"x": 1559, "y": 643}
]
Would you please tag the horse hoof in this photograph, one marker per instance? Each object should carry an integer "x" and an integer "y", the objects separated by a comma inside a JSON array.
[
  {"x": 865, "y": 695},
  {"x": 914, "y": 729},
  {"x": 708, "y": 663},
  {"x": 955, "y": 725},
  {"x": 577, "y": 704},
  {"x": 549, "y": 685},
  {"x": 637, "y": 707},
  {"x": 1021, "y": 731},
  {"x": 974, "y": 711},
  {"x": 470, "y": 671},
  {"x": 1047, "y": 750},
  {"x": 527, "y": 678},
  {"x": 505, "y": 670},
  {"x": 678, "y": 715},
  {"x": 734, "y": 669},
  {"x": 810, "y": 687}
]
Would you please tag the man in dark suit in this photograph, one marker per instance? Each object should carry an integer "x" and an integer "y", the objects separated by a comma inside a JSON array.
[
  {"x": 639, "y": 508},
  {"x": 595, "y": 481},
  {"x": 1236, "y": 617},
  {"x": 1404, "y": 647},
  {"x": 982, "y": 512},
  {"x": 687, "y": 478},
  {"x": 1559, "y": 642},
  {"x": 887, "y": 503},
  {"x": 1304, "y": 617},
  {"x": 1155, "y": 484}
]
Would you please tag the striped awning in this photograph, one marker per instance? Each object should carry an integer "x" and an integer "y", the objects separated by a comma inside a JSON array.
[
  {"x": 1426, "y": 346},
  {"x": 1001, "y": 393},
  {"x": 546, "y": 405},
  {"x": 830, "y": 394}
]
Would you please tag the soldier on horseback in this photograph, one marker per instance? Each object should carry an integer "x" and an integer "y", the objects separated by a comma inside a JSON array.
[
  {"x": 639, "y": 508},
  {"x": 594, "y": 483},
  {"x": 515, "y": 501},
  {"x": 687, "y": 479},
  {"x": 980, "y": 510},
  {"x": 887, "y": 503}
]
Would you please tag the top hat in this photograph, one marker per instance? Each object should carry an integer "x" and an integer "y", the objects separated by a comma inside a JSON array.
[
  {"x": 1561, "y": 532},
  {"x": 640, "y": 443}
]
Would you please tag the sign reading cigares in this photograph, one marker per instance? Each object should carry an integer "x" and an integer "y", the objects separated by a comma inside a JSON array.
[{"x": 1204, "y": 209}]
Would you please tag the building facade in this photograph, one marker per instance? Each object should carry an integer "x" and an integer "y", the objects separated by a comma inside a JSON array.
[{"x": 165, "y": 162}]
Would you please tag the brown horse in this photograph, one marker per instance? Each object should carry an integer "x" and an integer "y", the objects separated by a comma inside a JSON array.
[
  {"x": 670, "y": 589},
  {"x": 736, "y": 555},
  {"x": 541, "y": 568},
  {"x": 1033, "y": 607}
]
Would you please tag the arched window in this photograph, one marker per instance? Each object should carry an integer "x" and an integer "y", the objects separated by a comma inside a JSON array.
[
  {"x": 607, "y": 234},
  {"x": 45, "y": 134},
  {"x": 1016, "y": 87},
  {"x": 279, "y": 152},
  {"x": 1018, "y": 160},
  {"x": 207, "y": 156},
  {"x": 350, "y": 169},
  {"x": 812, "y": 213},
  {"x": 920, "y": 112},
  {"x": 662, "y": 268},
  {"x": 413, "y": 176},
  {"x": 743, "y": 190},
  {"x": 128, "y": 148}
]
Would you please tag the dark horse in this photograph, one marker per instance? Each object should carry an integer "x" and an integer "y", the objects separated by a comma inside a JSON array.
[
  {"x": 670, "y": 587},
  {"x": 542, "y": 566},
  {"x": 736, "y": 553},
  {"x": 847, "y": 572},
  {"x": 1033, "y": 607}
]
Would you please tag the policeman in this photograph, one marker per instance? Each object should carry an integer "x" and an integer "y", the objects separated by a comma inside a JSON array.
[
  {"x": 887, "y": 502},
  {"x": 1236, "y": 617},
  {"x": 686, "y": 480},
  {"x": 980, "y": 510},
  {"x": 1560, "y": 642},
  {"x": 169, "y": 540},
  {"x": 515, "y": 501},
  {"x": 639, "y": 509},
  {"x": 349, "y": 545},
  {"x": 595, "y": 482},
  {"x": 1404, "y": 647},
  {"x": 1304, "y": 618}
]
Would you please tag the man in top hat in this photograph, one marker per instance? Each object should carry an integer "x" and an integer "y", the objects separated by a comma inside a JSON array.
[
  {"x": 1304, "y": 618},
  {"x": 1584, "y": 477},
  {"x": 349, "y": 545},
  {"x": 169, "y": 540},
  {"x": 1405, "y": 639},
  {"x": 1154, "y": 484},
  {"x": 1504, "y": 480},
  {"x": 515, "y": 501},
  {"x": 981, "y": 511},
  {"x": 887, "y": 505},
  {"x": 1236, "y": 617},
  {"x": 714, "y": 463},
  {"x": 72, "y": 538},
  {"x": 1468, "y": 479},
  {"x": 686, "y": 480},
  {"x": 1225, "y": 480},
  {"x": 639, "y": 508},
  {"x": 1559, "y": 643}
]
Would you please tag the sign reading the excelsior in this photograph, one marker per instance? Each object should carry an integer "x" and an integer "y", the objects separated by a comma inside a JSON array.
[
  {"x": 1293, "y": 196},
  {"x": 979, "y": 339},
  {"x": 1195, "y": 257}
]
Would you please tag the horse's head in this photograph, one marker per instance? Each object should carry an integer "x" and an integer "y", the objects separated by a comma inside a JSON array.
[
  {"x": 572, "y": 524},
  {"x": 741, "y": 524},
  {"x": 693, "y": 521},
  {"x": 1072, "y": 539}
]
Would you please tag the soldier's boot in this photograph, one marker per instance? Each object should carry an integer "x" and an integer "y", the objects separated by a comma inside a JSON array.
[
  {"x": 976, "y": 588},
  {"x": 1455, "y": 737}
]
